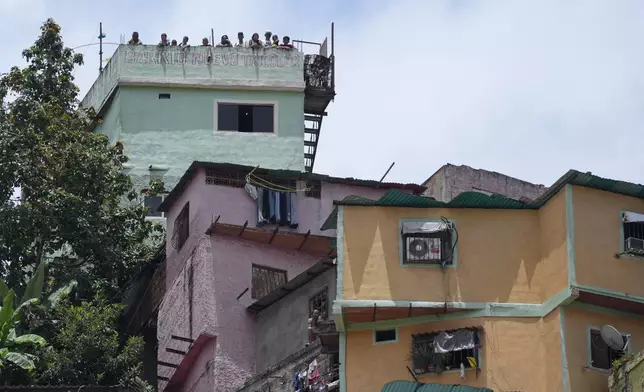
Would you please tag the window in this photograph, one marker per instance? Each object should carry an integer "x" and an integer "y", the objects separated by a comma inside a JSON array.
[
  {"x": 633, "y": 230},
  {"x": 153, "y": 203},
  {"x": 265, "y": 280},
  {"x": 428, "y": 242},
  {"x": 319, "y": 301},
  {"x": 181, "y": 229},
  {"x": 313, "y": 189},
  {"x": 225, "y": 178},
  {"x": 437, "y": 352},
  {"x": 245, "y": 118},
  {"x": 164, "y": 96},
  {"x": 385, "y": 336},
  {"x": 602, "y": 356}
]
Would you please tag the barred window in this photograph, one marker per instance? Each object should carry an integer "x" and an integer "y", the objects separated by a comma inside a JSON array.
[
  {"x": 225, "y": 178},
  {"x": 314, "y": 189},
  {"x": 265, "y": 280},
  {"x": 181, "y": 228},
  {"x": 437, "y": 352},
  {"x": 319, "y": 302}
]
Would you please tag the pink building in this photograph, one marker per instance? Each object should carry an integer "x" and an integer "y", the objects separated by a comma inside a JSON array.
[{"x": 237, "y": 238}]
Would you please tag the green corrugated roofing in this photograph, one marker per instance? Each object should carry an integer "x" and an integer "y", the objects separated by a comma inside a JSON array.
[
  {"x": 410, "y": 386},
  {"x": 394, "y": 198}
]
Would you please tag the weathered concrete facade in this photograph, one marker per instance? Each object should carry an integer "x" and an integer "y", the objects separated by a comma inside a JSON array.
[
  {"x": 451, "y": 180},
  {"x": 281, "y": 329}
]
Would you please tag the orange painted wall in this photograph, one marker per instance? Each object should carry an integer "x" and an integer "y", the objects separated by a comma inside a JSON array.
[
  {"x": 518, "y": 354},
  {"x": 597, "y": 240},
  {"x": 577, "y": 321},
  {"x": 503, "y": 255}
]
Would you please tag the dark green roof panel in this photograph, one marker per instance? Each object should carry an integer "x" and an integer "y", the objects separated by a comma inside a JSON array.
[{"x": 410, "y": 386}]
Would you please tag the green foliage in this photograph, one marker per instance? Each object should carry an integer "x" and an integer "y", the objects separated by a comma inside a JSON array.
[
  {"x": 14, "y": 347},
  {"x": 77, "y": 208},
  {"x": 85, "y": 347}
]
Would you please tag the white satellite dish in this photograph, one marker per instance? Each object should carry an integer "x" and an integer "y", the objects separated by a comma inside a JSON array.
[{"x": 612, "y": 337}]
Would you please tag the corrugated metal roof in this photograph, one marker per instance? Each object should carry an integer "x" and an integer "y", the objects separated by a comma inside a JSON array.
[
  {"x": 410, "y": 386},
  {"x": 395, "y": 198}
]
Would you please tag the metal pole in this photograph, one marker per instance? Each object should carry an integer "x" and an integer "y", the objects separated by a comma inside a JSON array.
[
  {"x": 212, "y": 37},
  {"x": 333, "y": 59},
  {"x": 100, "y": 50},
  {"x": 385, "y": 175}
]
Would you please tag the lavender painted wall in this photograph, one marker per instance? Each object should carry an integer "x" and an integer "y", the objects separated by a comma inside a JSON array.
[
  {"x": 235, "y": 207},
  {"x": 221, "y": 271}
]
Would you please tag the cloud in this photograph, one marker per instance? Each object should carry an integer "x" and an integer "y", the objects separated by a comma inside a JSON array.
[{"x": 528, "y": 88}]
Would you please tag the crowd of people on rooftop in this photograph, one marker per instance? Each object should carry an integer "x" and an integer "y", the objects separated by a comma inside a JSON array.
[{"x": 270, "y": 41}]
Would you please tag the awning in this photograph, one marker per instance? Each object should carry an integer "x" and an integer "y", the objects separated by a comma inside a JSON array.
[
  {"x": 632, "y": 217},
  {"x": 424, "y": 227}
]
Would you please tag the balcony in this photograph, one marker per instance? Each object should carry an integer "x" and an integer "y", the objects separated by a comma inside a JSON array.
[{"x": 203, "y": 67}]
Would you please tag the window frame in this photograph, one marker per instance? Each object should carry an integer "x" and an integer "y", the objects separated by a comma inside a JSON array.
[
  {"x": 401, "y": 245},
  {"x": 395, "y": 340},
  {"x": 266, "y": 268},
  {"x": 163, "y": 213},
  {"x": 324, "y": 290},
  {"x": 589, "y": 364},
  {"x": 622, "y": 238},
  {"x": 477, "y": 349},
  {"x": 274, "y": 104}
]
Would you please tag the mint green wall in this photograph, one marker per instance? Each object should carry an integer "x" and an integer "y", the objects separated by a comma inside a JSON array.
[{"x": 177, "y": 131}]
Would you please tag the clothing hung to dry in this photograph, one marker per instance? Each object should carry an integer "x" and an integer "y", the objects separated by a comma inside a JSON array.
[{"x": 274, "y": 207}]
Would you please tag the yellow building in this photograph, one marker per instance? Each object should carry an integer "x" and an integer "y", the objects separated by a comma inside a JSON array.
[{"x": 488, "y": 291}]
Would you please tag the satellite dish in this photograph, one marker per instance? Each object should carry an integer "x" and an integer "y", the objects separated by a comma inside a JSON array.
[{"x": 612, "y": 337}]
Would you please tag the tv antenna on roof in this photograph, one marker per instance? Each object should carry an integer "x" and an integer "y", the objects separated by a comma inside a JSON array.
[{"x": 613, "y": 338}]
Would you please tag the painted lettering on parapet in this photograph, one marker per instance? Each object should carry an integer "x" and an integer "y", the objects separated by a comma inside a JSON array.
[{"x": 262, "y": 58}]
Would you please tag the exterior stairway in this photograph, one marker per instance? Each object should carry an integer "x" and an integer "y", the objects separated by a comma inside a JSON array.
[{"x": 312, "y": 125}]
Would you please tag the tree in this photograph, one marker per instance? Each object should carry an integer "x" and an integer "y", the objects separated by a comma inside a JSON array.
[
  {"x": 77, "y": 208},
  {"x": 85, "y": 347}
]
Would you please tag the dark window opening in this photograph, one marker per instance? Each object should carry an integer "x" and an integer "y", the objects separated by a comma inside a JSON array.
[
  {"x": 265, "y": 280},
  {"x": 181, "y": 229},
  {"x": 428, "y": 248},
  {"x": 232, "y": 179},
  {"x": 164, "y": 96},
  {"x": 245, "y": 118},
  {"x": 153, "y": 203},
  {"x": 319, "y": 302},
  {"x": 314, "y": 189},
  {"x": 386, "y": 335},
  {"x": 426, "y": 358},
  {"x": 602, "y": 356},
  {"x": 634, "y": 238}
]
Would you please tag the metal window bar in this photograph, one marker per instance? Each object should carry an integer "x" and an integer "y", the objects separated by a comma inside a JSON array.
[
  {"x": 634, "y": 237},
  {"x": 314, "y": 189},
  {"x": 425, "y": 360},
  {"x": 319, "y": 301},
  {"x": 181, "y": 228},
  {"x": 265, "y": 280},
  {"x": 424, "y": 248},
  {"x": 232, "y": 179}
]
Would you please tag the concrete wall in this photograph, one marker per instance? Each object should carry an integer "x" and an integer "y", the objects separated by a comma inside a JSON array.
[
  {"x": 234, "y": 206},
  {"x": 517, "y": 354},
  {"x": 629, "y": 375},
  {"x": 177, "y": 131},
  {"x": 597, "y": 227},
  {"x": 229, "y": 67},
  {"x": 502, "y": 255},
  {"x": 577, "y": 321},
  {"x": 450, "y": 181},
  {"x": 282, "y": 329}
]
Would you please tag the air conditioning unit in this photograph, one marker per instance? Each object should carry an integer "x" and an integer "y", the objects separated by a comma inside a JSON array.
[
  {"x": 635, "y": 245},
  {"x": 423, "y": 249}
]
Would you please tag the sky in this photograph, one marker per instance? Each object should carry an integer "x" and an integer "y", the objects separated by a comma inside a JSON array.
[{"x": 525, "y": 88}]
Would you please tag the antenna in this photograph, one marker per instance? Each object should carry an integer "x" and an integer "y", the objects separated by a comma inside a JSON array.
[
  {"x": 100, "y": 48},
  {"x": 385, "y": 175},
  {"x": 613, "y": 338}
]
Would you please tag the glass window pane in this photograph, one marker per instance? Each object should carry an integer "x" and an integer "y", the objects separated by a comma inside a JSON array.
[
  {"x": 153, "y": 202},
  {"x": 263, "y": 119},
  {"x": 227, "y": 117}
]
